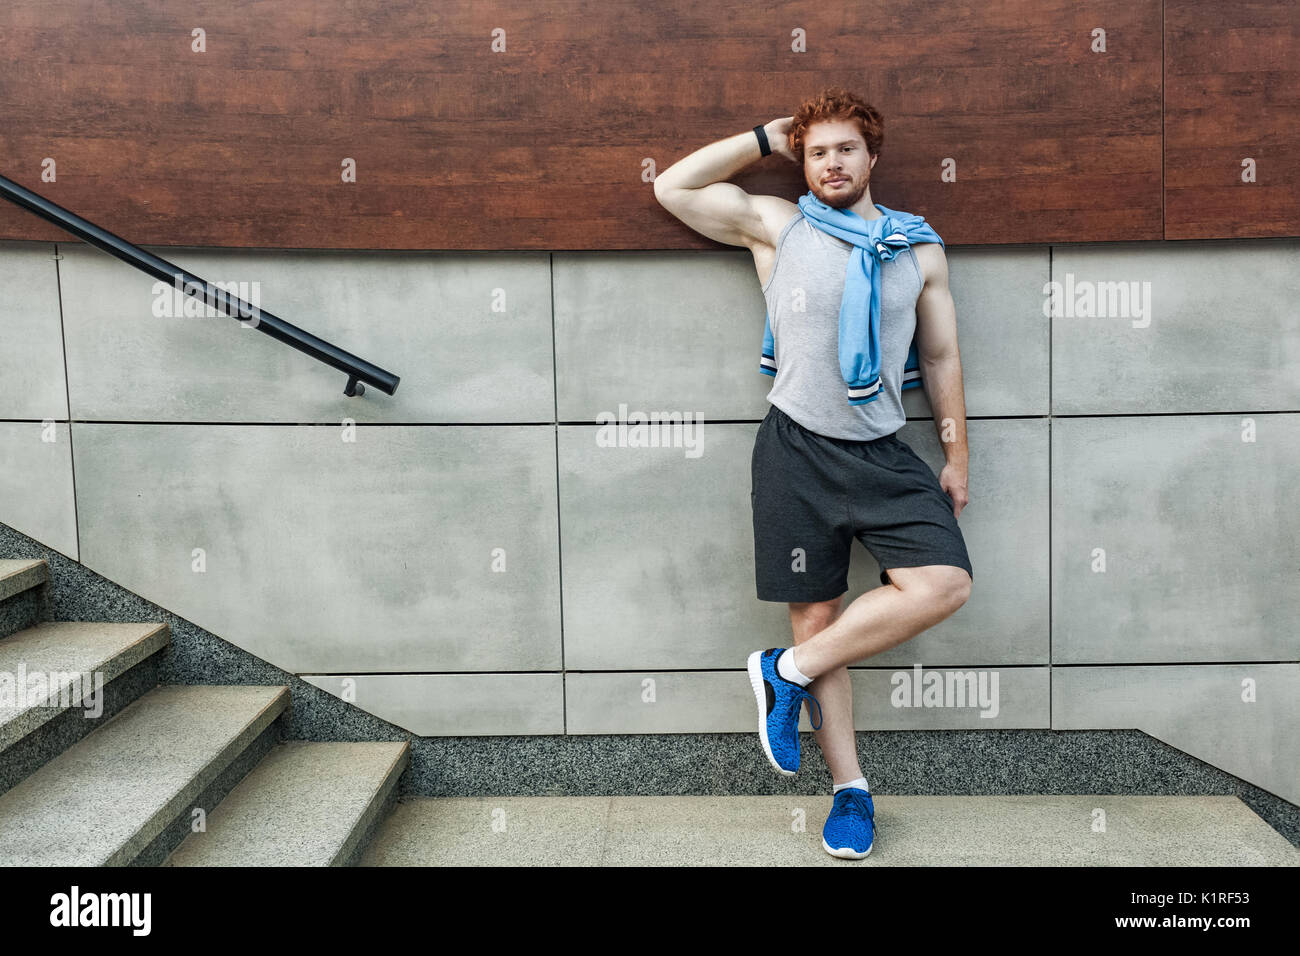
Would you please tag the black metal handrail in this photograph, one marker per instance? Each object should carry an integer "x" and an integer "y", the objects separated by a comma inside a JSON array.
[{"x": 357, "y": 369}]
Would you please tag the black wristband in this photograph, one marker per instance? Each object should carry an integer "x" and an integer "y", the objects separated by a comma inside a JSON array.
[{"x": 762, "y": 140}]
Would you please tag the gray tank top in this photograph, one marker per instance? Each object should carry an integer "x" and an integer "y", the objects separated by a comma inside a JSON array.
[{"x": 803, "y": 301}]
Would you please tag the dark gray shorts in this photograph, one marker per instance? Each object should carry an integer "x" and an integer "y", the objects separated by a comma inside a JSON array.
[{"x": 817, "y": 494}]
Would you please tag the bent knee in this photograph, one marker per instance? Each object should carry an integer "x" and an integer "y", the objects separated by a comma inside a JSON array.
[
  {"x": 810, "y": 617},
  {"x": 959, "y": 592},
  {"x": 945, "y": 585}
]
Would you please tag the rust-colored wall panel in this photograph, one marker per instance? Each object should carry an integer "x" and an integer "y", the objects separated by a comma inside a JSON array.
[
  {"x": 1232, "y": 92},
  {"x": 543, "y": 146}
]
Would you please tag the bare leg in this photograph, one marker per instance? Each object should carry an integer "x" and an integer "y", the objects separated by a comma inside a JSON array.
[
  {"x": 833, "y": 691},
  {"x": 917, "y": 598}
]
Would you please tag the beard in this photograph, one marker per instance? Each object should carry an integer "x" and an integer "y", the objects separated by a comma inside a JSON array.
[{"x": 843, "y": 196}]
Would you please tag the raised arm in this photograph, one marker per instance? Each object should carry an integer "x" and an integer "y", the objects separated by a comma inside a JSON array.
[{"x": 695, "y": 191}]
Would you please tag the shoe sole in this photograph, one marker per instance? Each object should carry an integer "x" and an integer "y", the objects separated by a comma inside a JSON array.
[
  {"x": 755, "y": 667},
  {"x": 847, "y": 853}
]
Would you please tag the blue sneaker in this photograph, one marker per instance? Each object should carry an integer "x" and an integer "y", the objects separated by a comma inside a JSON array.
[
  {"x": 850, "y": 830},
  {"x": 779, "y": 703}
]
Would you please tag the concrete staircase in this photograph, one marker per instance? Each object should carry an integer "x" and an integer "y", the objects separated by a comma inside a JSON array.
[
  {"x": 102, "y": 766},
  {"x": 130, "y": 785}
]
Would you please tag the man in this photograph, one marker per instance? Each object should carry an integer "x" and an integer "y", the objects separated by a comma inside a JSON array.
[{"x": 848, "y": 284}]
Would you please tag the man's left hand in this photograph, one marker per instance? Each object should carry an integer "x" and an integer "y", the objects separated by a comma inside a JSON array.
[{"x": 953, "y": 481}]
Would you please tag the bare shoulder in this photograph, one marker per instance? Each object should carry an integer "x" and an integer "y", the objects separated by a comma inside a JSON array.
[
  {"x": 934, "y": 264},
  {"x": 774, "y": 212}
]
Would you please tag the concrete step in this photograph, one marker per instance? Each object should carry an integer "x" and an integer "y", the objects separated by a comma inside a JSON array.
[
  {"x": 305, "y": 804},
  {"x": 107, "y": 799},
  {"x": 21, "y": 574},
  {"x": 23, "y": 596},
  {"x": 63, "y": 662},
  {"x": 786, "y": 831}
]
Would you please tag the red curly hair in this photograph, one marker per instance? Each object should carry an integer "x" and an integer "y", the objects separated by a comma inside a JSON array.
[{"x": 837, "y": 103}]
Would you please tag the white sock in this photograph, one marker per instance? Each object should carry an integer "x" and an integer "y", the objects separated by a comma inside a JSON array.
[
  {"x": 860, "y": 783},
  {"x": 785, "y": 667}
]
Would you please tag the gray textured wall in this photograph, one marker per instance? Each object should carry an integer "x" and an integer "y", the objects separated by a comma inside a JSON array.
[{"x": 469, "y": 560}]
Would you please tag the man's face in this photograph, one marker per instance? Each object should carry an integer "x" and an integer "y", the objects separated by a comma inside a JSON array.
[{"x": 837, "y": 151}]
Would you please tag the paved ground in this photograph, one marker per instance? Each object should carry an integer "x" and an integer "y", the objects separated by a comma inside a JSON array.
[{"x": 786, "y": 830}]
